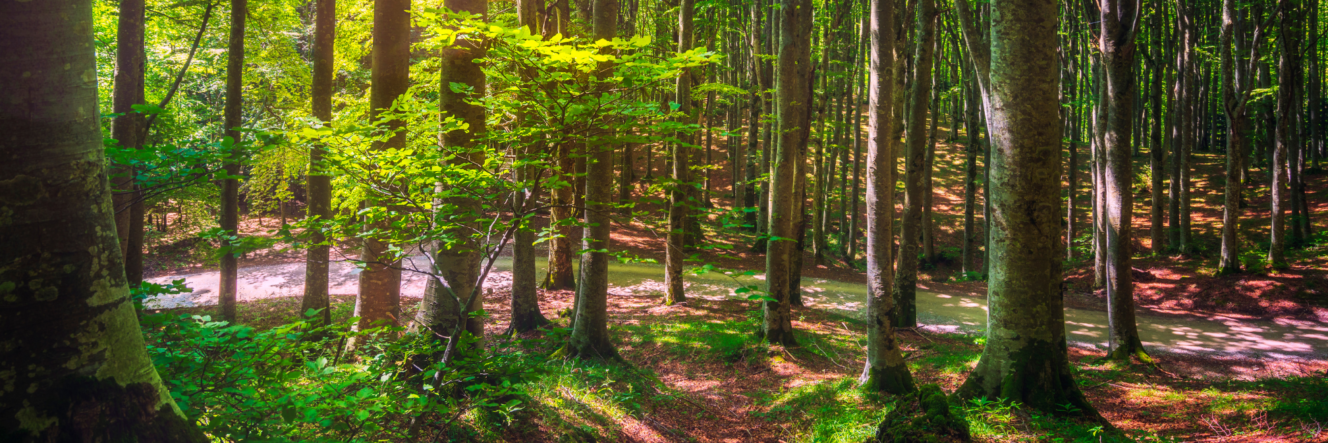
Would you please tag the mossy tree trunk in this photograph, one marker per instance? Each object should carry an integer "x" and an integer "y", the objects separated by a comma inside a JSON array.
[
  {"x": 69, "y": 337},
  {"x": 319, "y": 183},
  {"x": 1025, "y": 358},
  {"x": 885, "y": 370}
]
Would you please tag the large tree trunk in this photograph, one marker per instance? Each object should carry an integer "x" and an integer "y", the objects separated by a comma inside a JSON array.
[
  {"x": 458, "y": 265},
  {"x": 590, "y": 335},
  {"x": 73, "y": 346},
  {"x": 794, "y": 51},
  {"x": 885, "y": 370},
  {"x": 1118, "y": 48},
  {"x": 379, "y": 297},
  {"x": 526, "y": 315},
  {"x": 230, "y": 187},
  {"x": 678, "y": 203},
  {"x": 910, "y": 232},
  {"x": 1025, "y": 358},
  {"x": 319, "y": 183},
  {"x": 128, "y": 130}
]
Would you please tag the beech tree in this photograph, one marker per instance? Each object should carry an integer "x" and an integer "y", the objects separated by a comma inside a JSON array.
[
  {"x": 1025, "y": 358},
  {"x": 230, "y": 184},
  {"x": 885, "y": 370},
  {"x": 379, "y": 296},
  {"x": 71, "y": 339},
  {"x": 319, "y": 182},
  {"x": 910, "y": 232},
  {"x": 793, "y": 107}
]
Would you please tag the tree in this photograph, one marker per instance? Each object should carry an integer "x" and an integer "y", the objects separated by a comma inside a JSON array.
[
  {"x": 1280, "y": 168},
  {"x": 127, "y": 129},
  {"x": 1025, "y": 358},
  {"x": 319, "y": 182},
  {"x": 71, "y": 337},
  {"x": 1118, "y": 30},
  {"x": 590, "y": 333},
  {"x": 885, "y": 370},
  {"x": 461, "y": 84},
  {"x": 379, "y": 297},
  {"x": 793, "y": 104},
  {"x": 1237, "y": 84},
  {"x": 230, "y": 185},
  {"x": 910, "y": 232},
  {"x": 526, "y": 315},
  {"x": 679, "y": 195}
]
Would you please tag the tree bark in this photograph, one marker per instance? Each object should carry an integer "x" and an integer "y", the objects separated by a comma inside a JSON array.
[
  {"x": 679, "y": 196},
  {"x": 230, "y": 187},
  {"x": 319, "y": 182},
  {"x": 127, "y": 129},
  {"x": 71, "y": 340},
  {"x": 526, "y": 315},
  {"x": 1025, "y": 358},
  {"x": 910, "y": 232},
  {"x": 458, "y": 265},
  {"x": 794, "y": 51},
  {"x": 885, "y": 370},
  {"x": 590, "y": 335},
  {"x": 1117, "y": 43},
  {"x": 379, "y": 297}
]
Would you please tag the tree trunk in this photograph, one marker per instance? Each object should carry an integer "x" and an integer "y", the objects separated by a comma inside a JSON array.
[
  {"x": 679, "y": 204},
  {"x": 971, "y": 177},
  {"x": 1278, "y": 185},
  {"x": 561, "y": 210},
  {"x": 1118, "y": 48},
  {"x": 457, "y": 271},
  {"x": 885, "y": 370},
  {"x": 590, "y": 335},
  {"x": 230, "y": 187},
  {"x": 794, "y": 51},
  {"x": 910, "y": 232},
  {"x": 526, "y": 315},
  {"x": 72, "y": 341},
  {"x": 379, "y": 297},
  {"x": 1157, "y": 152},
  {"x": 320, "y": 183},
  {"x": 128, "y": 130},
  {"x": 1025, "y": 358}
]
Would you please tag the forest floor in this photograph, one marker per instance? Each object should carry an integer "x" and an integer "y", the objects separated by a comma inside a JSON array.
[{"x": 697, "y": 373}]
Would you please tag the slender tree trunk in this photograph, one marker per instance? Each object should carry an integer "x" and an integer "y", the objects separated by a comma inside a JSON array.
[
  {"x": 1278, "y": 185},
  {"x": 971, "y": 177},
  {"x": 910, "y": 233},
  {"x": 1157, "y": 152},
  {"x": 1025, "y": 358},
  {"x": 379, "y": 297},
  {"x": 458, "y": 264},
  {"x": 928, "y": 162},
  {"x": 857, "y": 80},
  {"x": 526, "y": 315},
  {"x": 73, "y": 347},
  {"x": 590, "y": 335},
  {"x": 561, "y": 215},
  {"x": 128, "y": 130},
  {"x": 679, "y": 204},
  {"x": 885, "y": 370},
  {"x": 230, "y": 187},
  {"x": 794, "y": 51},
  {"x": 319, "y": 182},
  {"x": 1118, "y": 48}
]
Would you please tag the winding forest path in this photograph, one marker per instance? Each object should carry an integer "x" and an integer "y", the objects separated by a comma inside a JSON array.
[{"x": 938, "y": 311}]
